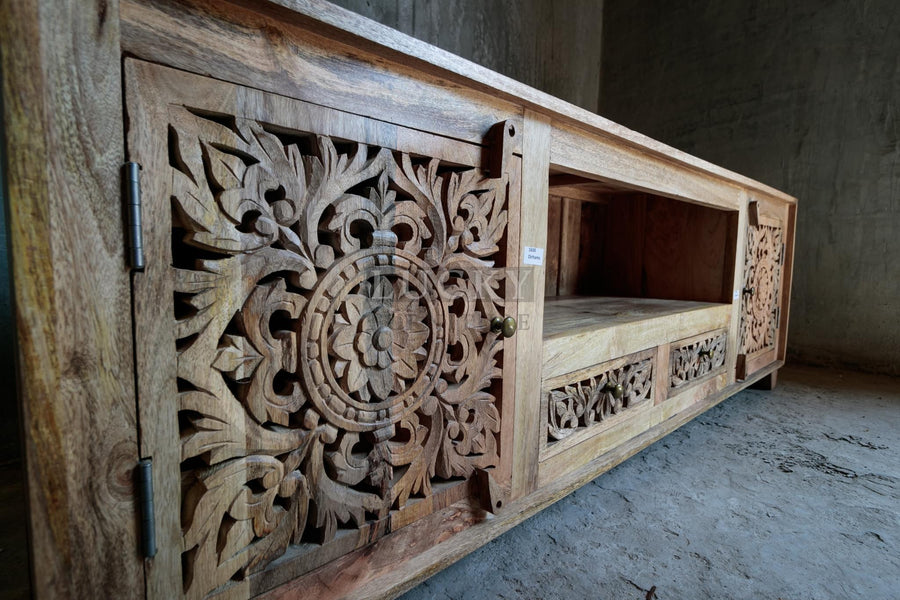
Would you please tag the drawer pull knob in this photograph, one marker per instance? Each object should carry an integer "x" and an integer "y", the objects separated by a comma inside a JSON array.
[
  {"x": 506, "y": 327},
  {"x": 616, "y": 389},
  {"x": 748, "y": 291},
  {"x": 706, "y": 353}
]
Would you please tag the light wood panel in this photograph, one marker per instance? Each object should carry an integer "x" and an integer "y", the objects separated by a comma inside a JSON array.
[
  {"x": 357, "y": 580},
  {"x": 252, "y": 46},
  {"x": 569, "y": 245},
  {"x": 531, "y": 307},
  {"x": 603, "y": 158},
  {"x": 580, "y": 332},
  {"x": 63, "y": 117},
  {"x": 352, "y": 28},
  {"x": 551, "y": 266},
  {"x": 316, "y": 361},
  {"x": 64, "y": 140}
]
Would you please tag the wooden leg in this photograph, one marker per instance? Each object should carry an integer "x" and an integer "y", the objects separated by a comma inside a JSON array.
[{"x": 767, "y": 383}]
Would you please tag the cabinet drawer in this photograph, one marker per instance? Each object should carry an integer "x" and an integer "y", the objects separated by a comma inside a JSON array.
[
  {"x": 580, "y": 404},
  {"x": 696, "y": 358}
]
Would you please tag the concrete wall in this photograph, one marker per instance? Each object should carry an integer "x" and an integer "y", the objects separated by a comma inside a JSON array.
[
  {"x": 551, "y": 45},
  {"x": 804, "y": 96}
]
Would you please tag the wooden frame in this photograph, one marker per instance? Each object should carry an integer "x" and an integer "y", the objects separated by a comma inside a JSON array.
[{"x": 63, "y": 100}]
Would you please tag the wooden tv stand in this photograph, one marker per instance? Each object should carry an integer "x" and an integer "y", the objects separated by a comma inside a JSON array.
[{"x": 389, "y": 303}]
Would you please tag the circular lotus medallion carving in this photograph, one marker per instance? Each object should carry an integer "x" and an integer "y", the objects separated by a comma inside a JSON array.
[{"x": 372, "y": 339}]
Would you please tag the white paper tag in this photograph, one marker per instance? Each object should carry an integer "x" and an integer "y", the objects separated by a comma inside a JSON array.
[
  {"x": 533, "y": 256},
  {"x": 737, "y": 294}
]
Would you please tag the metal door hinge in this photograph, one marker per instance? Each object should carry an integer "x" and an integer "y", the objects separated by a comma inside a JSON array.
[
  {"x": 148, "y": 519},
  {"x": 134, "y": 235}
]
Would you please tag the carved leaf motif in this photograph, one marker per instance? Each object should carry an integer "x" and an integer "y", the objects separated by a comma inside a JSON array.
[
  {"x": 762, "y": 277},
  {"x": 694, "y": 361},
  {"x": 334, "y": 504},
  {"x": 222, "y": 505},
  {"x": 238, "y": 358},
  {"x": 478, "y": 221},
  {"x": 591, "y": 401}
]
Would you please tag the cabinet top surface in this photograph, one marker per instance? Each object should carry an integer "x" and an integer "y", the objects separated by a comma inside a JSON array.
[{"x": 346, "y": 26}]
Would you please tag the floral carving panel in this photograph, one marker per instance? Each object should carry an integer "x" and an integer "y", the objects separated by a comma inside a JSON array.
[
  {"x": 585, "y": 403},
  {"x": 697, "y": 360},
  {"x": 335, "y": 358},
  {"x": 762, "y": 277}
]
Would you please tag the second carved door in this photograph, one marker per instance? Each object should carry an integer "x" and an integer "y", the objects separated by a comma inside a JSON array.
[{"x": 761, "y": 294}]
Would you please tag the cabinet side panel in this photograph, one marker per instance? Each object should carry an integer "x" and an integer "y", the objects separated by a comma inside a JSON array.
[{"x": 63, "y": 126}]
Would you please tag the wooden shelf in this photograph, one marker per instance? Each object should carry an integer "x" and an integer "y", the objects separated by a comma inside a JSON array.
[
  {"x": 567, "y": 315},
  {"x": 580, "y": 331}
]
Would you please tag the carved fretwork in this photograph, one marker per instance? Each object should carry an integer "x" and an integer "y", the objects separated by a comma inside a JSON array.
[
  {"x": 335, "y": 359},
  {"x": 585, "y": 403},
  {"x": 696, "y": 360},
  {"x": 762, "y": 277}
]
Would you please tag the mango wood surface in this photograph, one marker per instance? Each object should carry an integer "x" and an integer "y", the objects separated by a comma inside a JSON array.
[
  {"x": 598, "y": 157},
  {"x": 531, "y": 305},
  {"x": 569, "y": 247},
  {"x": 252, "y": 46},
  {"x": 551, "y": 256},
  {"x": 585, "y": 403},
  {"x": 63, "y": 115},
  {"x": 62, "y": 123},
  {"x": 694, "y": 359},
  {"x": 359, "y": 31},
  {"x": 462, "y": 531},
  {"x": 581, "y": 332},
  {"x": 327, "y": 362}
]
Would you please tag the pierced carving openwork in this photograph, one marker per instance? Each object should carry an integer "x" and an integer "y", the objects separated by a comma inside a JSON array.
[
  {"x": 335, "y": 359},
  {"x": 762, "y": 278},
  {"x": 696, "y": 360},
  {"x": 591, "y": 401}
]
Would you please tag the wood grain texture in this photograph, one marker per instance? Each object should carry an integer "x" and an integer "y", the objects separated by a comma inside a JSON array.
[
  {"x": 580, "y": 332},
  {"x": 351, "y": 28},
  {"x": 63, "y": 125},
  {"x": 320, "y": 312},
  {"x": 355, "y": 580},
  {"x": 787, "y": 277},
  {"x": 606, "y": 159},
  {"x": 535, "y": 165},
  {"x": 255, "y": 47},
  {"x": 569, "y": 246},
  {"x": 584, "y": 403},
  {"x": 551, "y": 256},
  {"x": 696, "y": 358},
  {"x": 760, "y": 296}
]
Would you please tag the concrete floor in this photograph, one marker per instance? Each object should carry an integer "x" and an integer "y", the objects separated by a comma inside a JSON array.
[{"x": 792, "y": 494}]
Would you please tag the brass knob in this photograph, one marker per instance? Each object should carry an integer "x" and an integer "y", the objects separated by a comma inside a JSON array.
[
  {"x": 706, "y": 353},
  {"x": 505, "y": 327},
  {"x": 617, "y": 389}
]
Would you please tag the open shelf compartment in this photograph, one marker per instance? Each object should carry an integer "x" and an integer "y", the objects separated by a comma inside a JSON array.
[{"x": 627, "y": 270}]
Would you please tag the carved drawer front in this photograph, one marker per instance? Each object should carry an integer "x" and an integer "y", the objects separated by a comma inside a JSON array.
[
  {"x": 317, "y": 364},
  {"x": 696, "y": 358},
  {"x": 581, "y": 404},
  {"x": 760, "y": 301}
]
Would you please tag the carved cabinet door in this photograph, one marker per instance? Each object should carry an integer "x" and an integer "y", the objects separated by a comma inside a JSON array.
[
  {"x": 760, "y": 296},
  {"x": 316, "y": 364}
]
